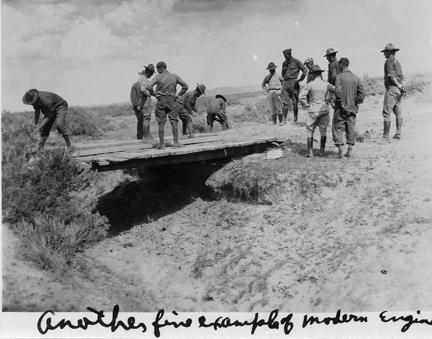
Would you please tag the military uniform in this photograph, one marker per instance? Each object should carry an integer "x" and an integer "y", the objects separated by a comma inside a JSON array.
[
  {"x": 141, "y": 105},
  {"x": 185, "y": 107},
  {"x": 349, "y": 94},
  {"x": 272, "y": 84},
  {"x": 393, "y": 95},
  {"x": 291, "y": 88},
  {"x": 55, "y": 109},
  {"x": 217, "y": 112}
]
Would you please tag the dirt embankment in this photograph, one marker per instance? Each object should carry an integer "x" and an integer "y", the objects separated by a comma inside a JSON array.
[{"x": 322, "y": 233}]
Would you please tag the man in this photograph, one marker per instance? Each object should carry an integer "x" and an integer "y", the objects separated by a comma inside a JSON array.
[
  {"x": 166, "y": 86},
  {"x": 333, "y": 66},
  {"x": 291, "y": 68},
  {"x": 272, "y": 84},
  {"x": 217, "y": 112},
  {"x": 349, "y": 95},
  {"x": 309, "y": 64},
  {"x": 55, "y": 110},
  {"x": 141, "y": 102},
  {"x": 186, "y": 105},
  {"x": 313, "y": 97},
  {"x": 393, "y": 82}
]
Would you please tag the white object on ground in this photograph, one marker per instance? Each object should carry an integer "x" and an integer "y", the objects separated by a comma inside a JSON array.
[{"x": 274, "y": 154}]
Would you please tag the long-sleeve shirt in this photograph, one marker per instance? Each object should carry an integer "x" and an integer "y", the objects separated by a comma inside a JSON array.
[
  {"x": 272, "y": 81},
  {"x": 144, "y": 82},
  {"x": 349, "y": 91},
  {"x": 166, "y": 84},
  {"x": 392, "y": 69},
  {"x": 333, "y": 71},
  {"x": 292, "y": 68},
  {"x": 314, "y": 94},
  {"x": 217, "y": 105},
  {"x": 189, "y": 100},
  {"x": 47, "y": 103}
]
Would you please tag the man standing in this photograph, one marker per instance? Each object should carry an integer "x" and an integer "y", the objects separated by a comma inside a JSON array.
[
  {"x": 141, "y": 102},
  {"x": 309, "y": 63},
  {"x": 333, "y": 66},
  {"x": 349, "y": 95},
  {"x": 217, "y": 112},
  {"x": 393, "y": 82},
  {"x": 187, "y": 105},
  {"x": 313, "y": 97},
  {"x": 291, "y": 88},
  {"x": 272, "y": 84},
  {"x": 166, "y": 87},
  {"x": 55, "y": 110}
]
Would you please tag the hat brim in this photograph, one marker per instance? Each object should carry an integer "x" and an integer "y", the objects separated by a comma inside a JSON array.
[
  {"x": 149, "y": 69},
  {"x": 327, "y": 54},
  {"x": 202, "y": 91},
  {"x": 31, "y": 102},
  {"x": 221, "y": 96},
  {"x": 318, "y": 72},
  {"x": 390, "y": 50}
]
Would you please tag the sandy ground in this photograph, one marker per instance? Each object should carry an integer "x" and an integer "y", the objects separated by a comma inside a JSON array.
[{"x": 361, "y": 243}]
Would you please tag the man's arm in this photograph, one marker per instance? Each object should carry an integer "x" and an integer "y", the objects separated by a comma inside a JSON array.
[
  {"x": 189, "y": 105},
  {"x": 360, "y": 93},
  {"x": 303, "y": 69},
  {"x": 391, "y": 73},
  {"x": 183, "y": 84},
  {"x": 284, "y": 68},
  {"x": 338, "y": 89},
  {"x": 153, "y": 81},
  {"x": 303, "y": 96},
  {"x": 36, "y": 115},
  {"x": 264, "y": 83}
]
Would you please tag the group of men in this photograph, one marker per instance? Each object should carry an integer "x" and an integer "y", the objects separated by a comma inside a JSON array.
[
  {"x": 343, "y": 92},
  {"x": 170, "y": 104}
]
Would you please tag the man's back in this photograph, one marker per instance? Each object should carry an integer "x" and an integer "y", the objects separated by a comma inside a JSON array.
[
  {"x": 166, "y": 84},
  {"x": 316, "y": 90},
  {"x": 47, "y": 102},
  {"x": 216, "y": 105},
  {"x": 188, "y": 100},
  {"x": 349, "y": 91}
]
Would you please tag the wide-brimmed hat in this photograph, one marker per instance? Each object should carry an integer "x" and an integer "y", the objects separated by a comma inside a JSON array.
[
  {"x": 316, "y": 69},
  {"x": 30, "y": 97},
  {"x": 389, "y": 47},
  {"x": 202, "y": 88},
  {"x": 330, "y": 51},
  {"x": 150, "y": 68},
  {"x": 221, "y": 96},
  {"x": 271, "y": 65},
  {"x": 308, "y": 60}
]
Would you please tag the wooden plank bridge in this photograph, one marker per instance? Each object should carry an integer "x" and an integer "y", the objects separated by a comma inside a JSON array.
[{"x": 125, "y": 154}]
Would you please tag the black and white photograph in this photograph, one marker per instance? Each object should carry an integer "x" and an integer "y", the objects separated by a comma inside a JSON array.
[{"x": 217, "y": 156}]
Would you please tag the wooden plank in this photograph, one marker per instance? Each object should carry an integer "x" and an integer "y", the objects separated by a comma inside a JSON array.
[{"x": 135, "y": 147}]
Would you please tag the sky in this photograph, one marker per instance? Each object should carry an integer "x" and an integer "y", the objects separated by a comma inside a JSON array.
[{"x": 89, "y": 52}]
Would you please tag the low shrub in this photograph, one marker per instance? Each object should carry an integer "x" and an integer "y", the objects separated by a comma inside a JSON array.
[
  {"x": 82, "y": 122},
  {"x": 48, "y": 198}
]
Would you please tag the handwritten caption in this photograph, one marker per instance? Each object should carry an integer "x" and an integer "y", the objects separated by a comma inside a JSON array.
[{"x": 48, "y": 322}]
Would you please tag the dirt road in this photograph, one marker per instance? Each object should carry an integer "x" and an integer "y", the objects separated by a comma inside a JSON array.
[{"x": 340, "y": 233}]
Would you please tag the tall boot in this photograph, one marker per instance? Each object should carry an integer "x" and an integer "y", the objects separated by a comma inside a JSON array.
[
  {"x": 184, "y": 127},
  {"x": 189, "y": 128},
  {"x": 161, "y": 137},
  {"x": 309, "y": 141},
  {"x": 322, "y": 144},
  {"x": 146, "y": 130},
  {"x": 349, "y": 150},
  {"x": 274, "y": 119},
  {"x": 280, "y": 118},
  {"x": 285, "y": 115},
  {"x": 67, "y": 141},
  {"x": 340, "y": 151},
  {"x": 398, "y": 128},
  {"x": 386, "y": 131},
  {"x": 42, "y": 143},
  {"x": 176, "y": 143},
  {"x": 295, "y": 109}
]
